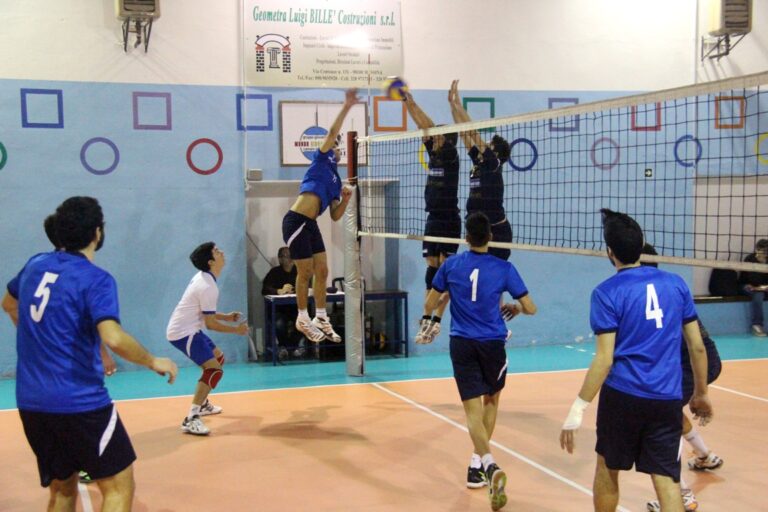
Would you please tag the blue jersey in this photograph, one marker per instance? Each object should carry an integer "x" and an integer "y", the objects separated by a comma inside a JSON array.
[
  {"x": 322, "y": 179},
  {"x": 62, "y": 297},
  {"x": 646, "y": 308},
  {"x": 476, "y": 282}
]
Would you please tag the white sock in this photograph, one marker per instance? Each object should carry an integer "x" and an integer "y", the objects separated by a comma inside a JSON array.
[
  {"x": 488, "y": 460},
  {"x": 475, "y": 461},
  {"x": 194, "y": 410},
  {"x": 320, "y": 313},
  {"x": 303, "y": 315},
  {"x": 697, "y": 443}
]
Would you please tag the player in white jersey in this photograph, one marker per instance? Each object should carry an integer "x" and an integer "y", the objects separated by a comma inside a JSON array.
[{"x": 197, "y": 311}]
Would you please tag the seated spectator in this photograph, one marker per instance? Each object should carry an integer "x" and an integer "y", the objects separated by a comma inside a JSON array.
[
  {"x": 281, "y": 280},
  {"x": 755, "y": 284}
]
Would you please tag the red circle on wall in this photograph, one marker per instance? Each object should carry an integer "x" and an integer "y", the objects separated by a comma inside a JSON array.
[{"x": 198, "y": 170}]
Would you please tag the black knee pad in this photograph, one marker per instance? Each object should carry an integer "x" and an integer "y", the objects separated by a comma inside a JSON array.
[{"x": 430, "y": 275}]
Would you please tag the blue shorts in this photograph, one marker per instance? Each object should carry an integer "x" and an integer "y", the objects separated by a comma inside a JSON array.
[
  {"x": 479, "y": 367},
  {"x": 302, "y": 236},
  {"x": 639, "y": 431},
  {"x": 198, "y": 347}
]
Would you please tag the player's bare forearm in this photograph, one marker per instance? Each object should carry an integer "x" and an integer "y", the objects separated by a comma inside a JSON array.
[
  {"x": 338, "y": 210},
  {"x": 11, "y": 308},
  {"x": 123, "y": 344},
  {"x": 698, "y": 355},
  {"x": 214, "y": 325},
  {"x": 422, "y": 120},
  {"x": 350, "y": 99},
  {"x": 600, "y": 367}
]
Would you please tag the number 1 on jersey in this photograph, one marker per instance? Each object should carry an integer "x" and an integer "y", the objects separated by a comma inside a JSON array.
[
  {"x": 473, "y": 277},
  {"x": 652, "y": 309}
]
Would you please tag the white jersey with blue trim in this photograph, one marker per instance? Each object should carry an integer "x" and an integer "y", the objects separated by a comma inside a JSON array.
[
  {"x": 199, "y": 299},
  {"x": 646, "y": 308},
  {"x": 476, "y": 282}
]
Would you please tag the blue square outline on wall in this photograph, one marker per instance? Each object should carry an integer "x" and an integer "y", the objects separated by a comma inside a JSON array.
[
  {"x": 26, "y": 123},
  {"x": 242, "y": 98},
  {"x": 553, "y": 104}
]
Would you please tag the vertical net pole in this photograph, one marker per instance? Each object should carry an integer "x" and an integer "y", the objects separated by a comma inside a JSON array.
[{"x": 353, "y": 283}]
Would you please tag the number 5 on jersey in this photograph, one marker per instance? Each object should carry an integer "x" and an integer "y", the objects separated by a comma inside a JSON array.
[
  {"x": 42, "y": 292},
  {"x": 652, "y": 309}
]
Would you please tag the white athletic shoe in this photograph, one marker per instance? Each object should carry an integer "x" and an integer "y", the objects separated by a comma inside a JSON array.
[
  {"x": 208, "y": 408},
  {"x": 309, "y": 330},
  {"x": 424, "y": 326},
  {"x": 711, "y": 461},
  {"x": 689, "y": 502},
  {"x": 433, "y": 331},
  {"x": 194, "y": 426},
  {"x": 324, "y": 326}
]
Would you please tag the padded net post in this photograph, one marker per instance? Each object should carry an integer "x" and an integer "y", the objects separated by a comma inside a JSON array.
[{"x": 353, "y": 283}]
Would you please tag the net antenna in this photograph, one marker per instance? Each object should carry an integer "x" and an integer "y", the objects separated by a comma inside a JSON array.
[
  {"x": 727, "y": 19},
  {"x": 137, "y": 17},
  {"x": 690, "y": 164}
]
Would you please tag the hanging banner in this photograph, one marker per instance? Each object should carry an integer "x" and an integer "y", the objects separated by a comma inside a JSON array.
[{"x": 321, "y": 43}]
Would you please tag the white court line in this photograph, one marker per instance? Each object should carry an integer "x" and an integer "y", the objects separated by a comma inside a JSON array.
[
  {"x": 495, "y": 444},
  {"x": 753, "y": 397},
  {"x": 85, "y": 497}
]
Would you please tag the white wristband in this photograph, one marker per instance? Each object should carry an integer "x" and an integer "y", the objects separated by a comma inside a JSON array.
[{"x": 575, "y": 415}]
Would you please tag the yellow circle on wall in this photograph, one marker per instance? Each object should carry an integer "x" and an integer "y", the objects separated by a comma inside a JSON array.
[
  {"x": 423, "y": 159},
  {"x": 760, "y": 139}
]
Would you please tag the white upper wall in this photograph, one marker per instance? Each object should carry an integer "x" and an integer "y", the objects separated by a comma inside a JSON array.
[
  {"x": 488, "y": 44},
  {"x": 550, "y": 44},
  {"x": 749, "y": 56},
  {"x": 195, "y": 42}
]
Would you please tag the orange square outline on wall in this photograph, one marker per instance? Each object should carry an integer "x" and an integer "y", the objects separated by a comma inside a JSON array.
[
  {"x": 404, "y": 120},
  {"x": 742, "y": 112},
  {"x": 654, "y": 128}
]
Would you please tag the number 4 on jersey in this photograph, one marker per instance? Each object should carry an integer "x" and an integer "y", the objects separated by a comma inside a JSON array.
[
  {"x": 652, "y": 309},
  {"x": 42, "y": 292}
]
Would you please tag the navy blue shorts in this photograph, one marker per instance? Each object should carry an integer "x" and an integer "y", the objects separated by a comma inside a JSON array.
[
  {"x": 479, "y": 367},
  {"x": 640, "y": 432},
  {"x": 714, "y": 366},
  {"x": 302, "y": 236},
  {"x": 93, "y": 441},
  {"x": 501, "y": 232},
  {"x": 198, "y": 347},
  {"x": 447, "y": 226}
]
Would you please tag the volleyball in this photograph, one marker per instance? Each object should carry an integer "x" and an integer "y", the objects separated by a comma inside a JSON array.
[{"x": 395, "y": 88}]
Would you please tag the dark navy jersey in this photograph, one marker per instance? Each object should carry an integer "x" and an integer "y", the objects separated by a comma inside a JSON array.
[
  {"x": 646, "y": 308},
  {"x": 441, "y": 192},
  {"x": 486, "y": 185},
  {"x": 62, "y": 298},
  {"x": 476, "y": 282},
  {"x": 322, "y": 179}
]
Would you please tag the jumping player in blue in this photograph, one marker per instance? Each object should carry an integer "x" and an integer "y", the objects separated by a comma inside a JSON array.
[
  {"x": 321, "y": 188},
  {"x": 638, "y": 316},
  {"x": 66, "y": 307},
  {"x": 475, "y": 282},
  {"x": 441, "y": 203},
  {"x": 486, "y": 180}
]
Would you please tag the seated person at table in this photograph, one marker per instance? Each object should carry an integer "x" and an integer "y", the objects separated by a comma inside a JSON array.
[
  {"x": 755, "y": 285},
  {"x": 281, "y": 280}
]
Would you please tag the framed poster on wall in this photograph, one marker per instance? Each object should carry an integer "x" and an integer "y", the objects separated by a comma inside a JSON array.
[{"x": 304, "y": 125}]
